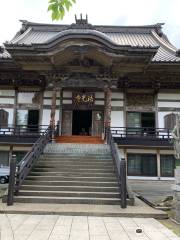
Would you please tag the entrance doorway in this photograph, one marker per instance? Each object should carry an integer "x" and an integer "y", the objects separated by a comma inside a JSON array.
[
  {"x": 82, "y": 122},
  {"x": 33, "y": 120}
]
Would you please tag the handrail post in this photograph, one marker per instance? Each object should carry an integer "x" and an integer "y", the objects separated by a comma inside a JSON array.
[
  {"x": 168, "y": 134},
  {"x": 123, "y": 183},
  {"x": 11, "y": 186}
]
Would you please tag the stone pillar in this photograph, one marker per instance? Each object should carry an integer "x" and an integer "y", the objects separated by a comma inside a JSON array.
[
  {"x": 107, "y": 107},
  {"x": 53, "y": 113}
]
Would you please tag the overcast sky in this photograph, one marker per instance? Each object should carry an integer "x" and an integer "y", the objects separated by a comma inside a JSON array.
[{"x": 113, "y": 12}]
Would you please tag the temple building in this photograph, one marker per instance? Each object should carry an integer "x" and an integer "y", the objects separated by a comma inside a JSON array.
[{"x": 85, "y": 78}]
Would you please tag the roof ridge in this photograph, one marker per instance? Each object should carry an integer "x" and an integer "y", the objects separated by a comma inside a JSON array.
[{"x": 156, "y": 25}]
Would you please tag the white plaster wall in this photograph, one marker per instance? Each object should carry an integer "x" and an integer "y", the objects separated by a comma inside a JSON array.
[
  {"x": 169, "y": 96},
  {"x": 48, "y": 94},
  {"x": 4, "y": 148},
  {"x": 152, "y": 151},
  {"x": 117, "y": 119},
  {"x": 23, "y": 149},
  {"x": 99, "y": 102},
  {"x": 46, "y": 116},
  {"x": 99, "y": 95},
  {"x": 47, "y": 101},
  {"x": 119, "y": 95},
  {"x": 67, "y": 101},
  {"x": 117, "y": 103},
  {"x": 67, "y": 94},
  {"x": 6, "y": 100},
  {"x": 169, "y": 104},
  {"x": 161, "y": 118},
  {"x": 7, "y": 92},
  {"x": 171, "y": 152}
]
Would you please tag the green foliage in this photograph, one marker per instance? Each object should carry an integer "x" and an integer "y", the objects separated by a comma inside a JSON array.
[{"x": 59, "y": 7}]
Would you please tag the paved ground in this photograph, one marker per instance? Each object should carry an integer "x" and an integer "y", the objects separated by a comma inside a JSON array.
[
  {"x": 50, "y": 227},
  {"x": 154, "y": 191}
]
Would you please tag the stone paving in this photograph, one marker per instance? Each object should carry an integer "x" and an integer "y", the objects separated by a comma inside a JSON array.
[{"x": 54, "y": 227}]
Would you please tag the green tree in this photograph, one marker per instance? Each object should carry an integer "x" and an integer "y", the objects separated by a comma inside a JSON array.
[{"x": 59, "y": 7}]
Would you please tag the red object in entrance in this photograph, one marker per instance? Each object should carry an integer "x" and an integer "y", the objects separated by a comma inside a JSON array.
[{"x": 79, "y": 139}]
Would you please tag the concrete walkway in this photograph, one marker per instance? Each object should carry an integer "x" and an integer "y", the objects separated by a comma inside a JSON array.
[{"x": 54, "y": 227}]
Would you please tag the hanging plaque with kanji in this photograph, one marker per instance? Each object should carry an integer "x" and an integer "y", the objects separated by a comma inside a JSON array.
[{"x": 83, "y": 99}]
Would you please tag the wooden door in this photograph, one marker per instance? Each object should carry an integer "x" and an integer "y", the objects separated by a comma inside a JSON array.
[
  {"x": 66, "y": 122},
  {"x": 97, "y": 123}
]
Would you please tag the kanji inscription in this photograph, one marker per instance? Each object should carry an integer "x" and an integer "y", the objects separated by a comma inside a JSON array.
[{"x": 83, "y": 99}]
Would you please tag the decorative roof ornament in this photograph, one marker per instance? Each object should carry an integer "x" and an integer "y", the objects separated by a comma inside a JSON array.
[{"x": 81, "y": 23}]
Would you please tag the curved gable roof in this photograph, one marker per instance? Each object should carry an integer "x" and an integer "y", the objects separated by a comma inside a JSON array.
[{"x": 133, "y": 36}]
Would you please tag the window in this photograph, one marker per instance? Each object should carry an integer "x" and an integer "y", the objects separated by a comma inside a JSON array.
[
  {"x": 4, "y": 158},
  {"x": 4, "y": 118},
  {"x": 167, "y": 165},
  {"x": 141, "y": 119},
  {"x": 142, "y": 164}
]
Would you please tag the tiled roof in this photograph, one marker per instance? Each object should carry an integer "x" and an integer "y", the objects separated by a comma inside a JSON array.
[
  {"x": 4, "y": 53},
  {"x": 135, "y": 36}
]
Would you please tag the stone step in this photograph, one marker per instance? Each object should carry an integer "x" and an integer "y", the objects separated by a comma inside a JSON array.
[
  {"x": 71, "y": 183},
  {"x": 78, "y": 157},
  {"x": 71, "y": 174},
  {"x": 67, "y": 200},
  {"x": 60, "y": 178},
  {"x": 75, "y": 163},
  {"x": 69, "y": 194},
  {"x": 68, "y": 170},
  {"x": 84, "y": 159},
  {"x": 78, "y": 167},
  {"x": 38, "y": 187}
]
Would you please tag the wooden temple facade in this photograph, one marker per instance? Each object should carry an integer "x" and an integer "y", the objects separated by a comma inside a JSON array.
[{"x": 86, "y": 78}]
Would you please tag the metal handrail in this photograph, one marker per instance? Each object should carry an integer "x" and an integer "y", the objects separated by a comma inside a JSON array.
[
  {"x": 19, "y": 173},
  {"x": 120, "y": 167}
]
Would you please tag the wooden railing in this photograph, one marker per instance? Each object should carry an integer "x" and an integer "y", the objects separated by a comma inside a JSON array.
[
  {"x": 146, "y": 132},
  {"x": 120, "y": 167},
  {"x": 22, "y": 130},
  {"x": 19, "y": 173}
]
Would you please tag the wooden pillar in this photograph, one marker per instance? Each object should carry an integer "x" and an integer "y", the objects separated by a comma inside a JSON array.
[
  {"x": 53, "y": 113},
  {"x": 107, "y": 109},
  {"x": 158, "y": 164},
  {"x": 60, "y": 112}
]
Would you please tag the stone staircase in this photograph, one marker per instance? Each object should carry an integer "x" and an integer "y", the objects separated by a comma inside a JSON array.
[{"x": 72, "y": 174}]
